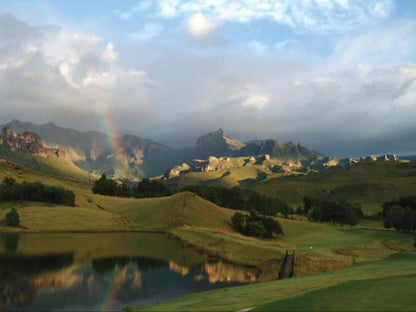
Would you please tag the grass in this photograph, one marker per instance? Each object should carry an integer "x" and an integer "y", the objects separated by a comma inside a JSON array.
[
  {"x": 50, "y": 165},
  {"x": 368, "y": 183},
  {"x": 397, "y": 268},
  {"x": 394, "y": 293},
  {"x": 326, "y": 256},
  {"x": 184, "y": 215}
]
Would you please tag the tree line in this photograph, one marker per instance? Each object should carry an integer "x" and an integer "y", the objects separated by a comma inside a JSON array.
[
  {"x": 341, "y": 212},
  {"x": 10, "y": 190},
  {"x": 143, "y": 189},
  {"x": 238, "y": 199},
  {"x": 234, "y": 198},
  {"x": 400, "y": 214}
]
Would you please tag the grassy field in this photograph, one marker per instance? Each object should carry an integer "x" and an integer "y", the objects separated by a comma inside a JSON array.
[
  {"x": 335, "y": 288},
  {"x": 184, "y": 215},
  {"x": 358, "y": 295},
  {"x": 51, "y": 165},
  {"x": 326, "y": 256},
  {"x": 368, "y": 183}
]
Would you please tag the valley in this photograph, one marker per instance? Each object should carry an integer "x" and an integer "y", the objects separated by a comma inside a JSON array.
[{"x": 329, "y": 257}]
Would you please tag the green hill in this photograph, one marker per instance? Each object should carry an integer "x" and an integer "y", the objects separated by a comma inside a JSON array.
[
  {"x": 184, "y": 215},
  {"x": 344, "y": 253},
  {"x": 369, "y": 183},
  {"x": 50, "y": 165}
]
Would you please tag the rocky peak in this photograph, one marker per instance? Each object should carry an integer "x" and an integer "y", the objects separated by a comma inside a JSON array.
[{"x": 28, "y": 142}]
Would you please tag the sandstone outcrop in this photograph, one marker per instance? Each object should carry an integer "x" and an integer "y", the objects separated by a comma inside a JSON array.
[
  {"x": 28, "y": 142},
  {"x": 386, "y": 157}
]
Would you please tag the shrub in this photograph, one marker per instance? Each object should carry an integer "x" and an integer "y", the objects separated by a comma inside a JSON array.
[
  {"x": 256, "y": 225},
  {"x": 12, "y": 218}
]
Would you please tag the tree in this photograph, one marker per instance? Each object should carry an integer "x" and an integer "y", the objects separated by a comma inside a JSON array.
[
  {"x": 315, "y": 214},
  {"x": 12, "y": 218},
  {"x": 256, "y": 225},
  {"x": 238, "y": 221}
]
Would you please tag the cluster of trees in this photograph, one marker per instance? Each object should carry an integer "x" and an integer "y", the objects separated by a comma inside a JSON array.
[
  {"x": 10, "y": 190},
  {"x": 335, "y": 212},
  {"x": 234, "y": 198},
  {"x": 400, "y": 214},
  {"x": 151, "y": 188},
  {"x": 238, "y": 199},
  {"x": 12, "y": 218},
  {"x": 256, "y": 225},
  {"x": 110, "y": 187},
  {"x": 143, "y": 189}
]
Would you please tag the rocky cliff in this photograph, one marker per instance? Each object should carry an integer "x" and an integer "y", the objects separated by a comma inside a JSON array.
[{"x": 28, "y": 142}]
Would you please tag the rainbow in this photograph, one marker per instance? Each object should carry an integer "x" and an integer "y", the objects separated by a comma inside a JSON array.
[{"x": 106, "y": 117}]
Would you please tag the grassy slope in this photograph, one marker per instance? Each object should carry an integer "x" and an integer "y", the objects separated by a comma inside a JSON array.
[
  {"x": 395, "y": 269},
  {"x": 203, "y": 224},
  {"x": 369, "y": 184},
  {"x": 50, "y": 165},
  {"x": 185, "y": 215}
]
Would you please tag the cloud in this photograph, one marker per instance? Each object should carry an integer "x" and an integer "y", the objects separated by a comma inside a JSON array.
[
  {"x": 389, "y": 44},
  {"x": 69, "y": 79},
  {"x": 302, "y": 16},
  {"x": 255, "y": 101},
  {"x": 200, "y": 26},
  {"x": 109, "y": 54},
  {"x": 338, "y": 110},
  {"x": 203, "y": 29}
]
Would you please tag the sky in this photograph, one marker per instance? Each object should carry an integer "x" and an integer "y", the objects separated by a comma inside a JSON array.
[{"x": 338, "y": 76}]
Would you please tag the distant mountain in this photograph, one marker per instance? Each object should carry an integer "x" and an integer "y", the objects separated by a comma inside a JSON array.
[
  {"x": 136, "y": 157},
  {"x": 219, "y": 145}
]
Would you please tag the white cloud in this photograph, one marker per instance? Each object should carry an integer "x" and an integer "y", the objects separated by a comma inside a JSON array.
[
  {"x": 66, "y": 81},
  {"x": 200, "y": 26},
  {"x": 204, "y": 29},
  {"x": 388, "y": 45},
  {"x": 255, "y": 101},
  {"x": 326, "y": 108},
  {"x": 149, "y": 31},
  {"x": 301, "y": 15},
  {"x": 109, "y": 53}
]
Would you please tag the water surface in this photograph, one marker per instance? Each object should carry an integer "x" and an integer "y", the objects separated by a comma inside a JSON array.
[{"x": 104, "y": 271}]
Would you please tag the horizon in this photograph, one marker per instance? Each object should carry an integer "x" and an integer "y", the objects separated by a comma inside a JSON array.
[
  {"x": 337, "y": 76},
  {"x": 189, "y": 144}
]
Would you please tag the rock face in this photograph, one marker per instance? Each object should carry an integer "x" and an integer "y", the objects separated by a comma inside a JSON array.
[
  {"x": 28, "y": 142},
  {"x": 386, "y": 157},
  {"x": 176, "y": 171}
]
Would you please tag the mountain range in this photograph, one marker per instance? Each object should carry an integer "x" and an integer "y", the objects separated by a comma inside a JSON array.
[{"x": 133, "y": 157}]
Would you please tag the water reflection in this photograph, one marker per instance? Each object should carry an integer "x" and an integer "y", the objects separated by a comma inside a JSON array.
[{"x": 77, "y": 272}]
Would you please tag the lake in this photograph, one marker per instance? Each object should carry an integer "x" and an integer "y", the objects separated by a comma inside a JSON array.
[{"x": 105, "y": 271}]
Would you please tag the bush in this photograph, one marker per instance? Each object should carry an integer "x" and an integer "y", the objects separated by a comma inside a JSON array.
[
  {"x": 400, "y": 214},
  {"x": 256, "y": 225},
  {"x": 335, "y": 212},
  {"x": 12, "y": 218}
]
